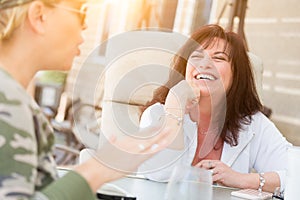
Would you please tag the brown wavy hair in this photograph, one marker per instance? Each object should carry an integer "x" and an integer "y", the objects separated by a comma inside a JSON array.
[{"x": 242, "y": 99}]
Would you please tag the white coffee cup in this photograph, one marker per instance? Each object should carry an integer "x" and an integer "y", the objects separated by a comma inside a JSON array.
[
  {"x": 293, "y": 174},
  {"x": 189, "y": 182}
]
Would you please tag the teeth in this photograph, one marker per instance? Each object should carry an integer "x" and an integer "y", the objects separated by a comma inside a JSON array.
[{"x": 205, "y": 76}]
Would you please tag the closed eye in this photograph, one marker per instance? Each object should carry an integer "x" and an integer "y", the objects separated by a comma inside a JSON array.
[
  {"x": 197, "y": 56},
  {"x": 220, "y": 58}
]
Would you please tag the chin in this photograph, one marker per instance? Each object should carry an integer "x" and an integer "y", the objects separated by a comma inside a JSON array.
[
  {"x": 207, "y": 91},
  {"x": 66, "y": 68},
  {"x": 67, "y": 65}
]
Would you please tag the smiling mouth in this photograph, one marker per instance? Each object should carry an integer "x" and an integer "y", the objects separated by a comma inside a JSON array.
[{"x": 205, "y": 77}]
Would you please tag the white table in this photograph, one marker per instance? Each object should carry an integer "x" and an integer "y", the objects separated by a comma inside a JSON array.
[
  {"x": 149, "y": 190},
  {"x": 144, "y": 189}
]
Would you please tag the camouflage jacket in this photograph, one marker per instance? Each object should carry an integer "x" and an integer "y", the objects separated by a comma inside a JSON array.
[{"x": 27, "y": 167}]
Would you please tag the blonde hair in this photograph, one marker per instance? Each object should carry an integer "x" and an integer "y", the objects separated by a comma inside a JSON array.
[{"x": 12, "y": 18}]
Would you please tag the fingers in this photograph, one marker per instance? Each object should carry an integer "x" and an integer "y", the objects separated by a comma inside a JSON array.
[
  {"x": 219, "y": 175},
  {"x": 194, "y": 92},
  {"x": 154, "y": 142},
  {"x": 184, "y": 95},
  {"x": 187, "y": 89},
  {"x": 218, "y": 178},
  {"x": 216, "y": 168},
  {"x": 126, "y": 153},
  {"x": 194, "y": 96},
  {"x": 207, "y": 164},
  {"x": 195, "y": 100}
]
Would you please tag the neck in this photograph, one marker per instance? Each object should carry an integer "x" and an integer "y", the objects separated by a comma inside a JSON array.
[
  {"x": 211, "y": 114},
  {"x": 19, "y": 63},
  {"x": 202, "y": 109},
  {"x": 204, "y": 123},
  {"x": 205, "y": 106}
]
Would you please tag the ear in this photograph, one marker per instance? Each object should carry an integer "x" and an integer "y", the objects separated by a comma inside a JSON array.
[{"x": 37, "y": 16}]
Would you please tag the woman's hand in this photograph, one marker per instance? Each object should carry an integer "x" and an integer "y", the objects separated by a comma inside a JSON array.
[
  {"x": 223, "y": 174},
  {"x": 120, "y": 156},
  {"x": 184, "y": 95},
  {"x": 178, "y": 102},
  {"x": 148, "y": 140}
]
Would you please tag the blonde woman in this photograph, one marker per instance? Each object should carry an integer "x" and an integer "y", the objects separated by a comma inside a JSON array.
[{"x": 44, "y": 35}]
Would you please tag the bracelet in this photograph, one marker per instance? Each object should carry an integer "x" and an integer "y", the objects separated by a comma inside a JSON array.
[
  {"x": 262, "y": 181},
  {"x": 171, "y": 115}
]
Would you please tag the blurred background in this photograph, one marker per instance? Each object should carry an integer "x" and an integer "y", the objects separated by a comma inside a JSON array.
[{"x": 271, "y": 30}]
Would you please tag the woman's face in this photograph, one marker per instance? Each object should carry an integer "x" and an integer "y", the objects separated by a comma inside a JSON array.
[
  {"x": 64, "y": 33},
  {"x": 210, "y": 69}
]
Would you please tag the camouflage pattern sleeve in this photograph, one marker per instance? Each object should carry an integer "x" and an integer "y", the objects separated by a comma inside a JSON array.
[
  {"x": 26, "y": 140},
  {"x": 27, "y": 167}
]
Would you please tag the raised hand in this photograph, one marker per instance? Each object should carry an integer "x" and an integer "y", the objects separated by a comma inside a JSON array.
[
  {"x": 125, "y": 153},
  {"x": 183, "y": 95}
]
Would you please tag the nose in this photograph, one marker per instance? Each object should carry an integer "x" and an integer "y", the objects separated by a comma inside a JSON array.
[
  {"x": 205, "y": 62},
  {"x": 84, "y": 27}
]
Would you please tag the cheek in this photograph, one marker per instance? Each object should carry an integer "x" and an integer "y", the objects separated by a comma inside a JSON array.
[
  {"x": 225, "y": 74},
  {"x": 227, "y": 79},
  {"x": 229, "y": 82},
  {"x": 189, "y": 71}
]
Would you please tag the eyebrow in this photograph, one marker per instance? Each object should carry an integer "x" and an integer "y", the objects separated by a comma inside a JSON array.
[
  {"x": 199, "y": 50},
  {"x": 221, "y": 52}
]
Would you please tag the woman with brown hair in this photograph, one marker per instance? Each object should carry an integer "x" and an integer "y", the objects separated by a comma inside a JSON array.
[
  {"x": 45, "y": 35},
  {"x": 211, "y": 101}
]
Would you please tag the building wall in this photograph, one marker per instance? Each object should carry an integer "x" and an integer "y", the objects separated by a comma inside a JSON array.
[{"x": 272, "y": 30}]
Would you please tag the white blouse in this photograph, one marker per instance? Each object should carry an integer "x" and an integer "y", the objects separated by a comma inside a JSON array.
[{"x": 261, "y": 147}]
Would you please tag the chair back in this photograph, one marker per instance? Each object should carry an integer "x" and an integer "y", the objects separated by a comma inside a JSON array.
[{"x": 138, "y": 62}]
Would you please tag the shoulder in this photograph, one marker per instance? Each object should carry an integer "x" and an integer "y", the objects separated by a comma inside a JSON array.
[
  {"x": 259, "y": 117},
  {"x": 259, "y": 128},
  {"x": 15, "y": 112},
  {"x": 265, "y": 130},
  {"x": 15, "y": 103},
  {"x": 261, "y": 122},
  {"x": 12, "y": 92}
]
